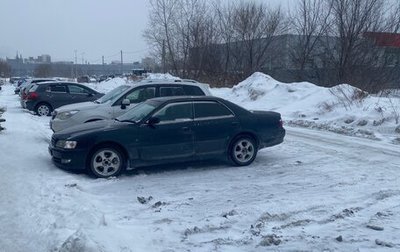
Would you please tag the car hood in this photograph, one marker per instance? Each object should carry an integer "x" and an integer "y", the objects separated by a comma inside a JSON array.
[
  {"x": 78, "y": 106},
  {"x": 85, "y": 128}
]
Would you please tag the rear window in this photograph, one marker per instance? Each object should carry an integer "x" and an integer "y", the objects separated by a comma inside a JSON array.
[
  {"x": 193, "y": 91},
  {"x": 210, "y": 109},
  {"x": 171, "y": 91},
  {"x": 33, "y": 88}
]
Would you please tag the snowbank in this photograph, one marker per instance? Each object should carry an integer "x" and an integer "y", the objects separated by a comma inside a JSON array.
[{"x": 342, "y": 109}]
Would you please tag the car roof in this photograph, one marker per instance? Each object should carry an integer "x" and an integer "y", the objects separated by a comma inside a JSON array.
[
  {"x": 203, "y": 86},
  {"x": 185, "y": 98}
]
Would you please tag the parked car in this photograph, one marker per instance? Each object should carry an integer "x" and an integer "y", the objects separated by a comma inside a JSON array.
[
  {"x": 167, "y": 130},
  {"x": 28, "y": 83},
  {"x": 44, "y": 97},
  {"x": 115, "y": 102},
  {"x": 83, "y": 79},
  {"x": 23, "y": 93}
]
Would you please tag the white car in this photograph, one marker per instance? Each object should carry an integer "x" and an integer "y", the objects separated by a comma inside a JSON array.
[{"x": 115, "y": 102}]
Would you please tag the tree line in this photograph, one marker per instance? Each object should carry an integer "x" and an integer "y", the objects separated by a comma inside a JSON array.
[{"x": 330, "y": 42}]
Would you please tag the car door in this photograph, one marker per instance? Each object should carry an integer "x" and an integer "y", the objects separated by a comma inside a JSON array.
[
  {"x": 214, "y": 126},
  {"x": 79, "y": 93},
  {"x": 135, "y": 96},
  {"x": 172, "y": 137},
  {"x": 57, "y": 95}
]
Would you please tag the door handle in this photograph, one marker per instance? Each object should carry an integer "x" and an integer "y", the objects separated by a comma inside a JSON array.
[
  {"x": 235, "y": 123},
  {"x": 185, "y": 129}
]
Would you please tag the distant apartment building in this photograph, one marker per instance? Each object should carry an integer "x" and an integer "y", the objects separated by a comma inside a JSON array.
[{"x": 27, "y": 67}]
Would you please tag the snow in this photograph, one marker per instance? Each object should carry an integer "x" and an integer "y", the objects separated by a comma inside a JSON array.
[{"x": 301, "y": 195}]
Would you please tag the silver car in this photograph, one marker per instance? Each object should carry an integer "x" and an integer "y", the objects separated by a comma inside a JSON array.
[{"x": 115, "y": 102}]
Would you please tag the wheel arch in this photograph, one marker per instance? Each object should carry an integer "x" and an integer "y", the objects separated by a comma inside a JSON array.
[
  {"x": 43, "y": 103},
  {"x": 245, "y": 133},
  {"x": 106, "y": 144}
]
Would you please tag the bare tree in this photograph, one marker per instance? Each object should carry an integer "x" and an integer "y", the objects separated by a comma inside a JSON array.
[
  {"x": 353, "y": 56},
  {"x": 161, "y": 32},
  {"x": 43, "y": 70},
  {"x": 255, "y": 25},
  {"x": 309, "y": 21},
  {"x": 5, "y": 69}
]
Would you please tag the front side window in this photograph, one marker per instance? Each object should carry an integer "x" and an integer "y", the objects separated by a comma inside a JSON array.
[
  {"x": 210, "y": 110},
  {"x": 138, "y": 112},
  {"x": 175, "y": 112},
  {"x": 141, "y": 94},
  {"x": 113, "y": 94}
]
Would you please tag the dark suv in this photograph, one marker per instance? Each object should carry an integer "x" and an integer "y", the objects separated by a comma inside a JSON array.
[{"x": 44, "y": 97}]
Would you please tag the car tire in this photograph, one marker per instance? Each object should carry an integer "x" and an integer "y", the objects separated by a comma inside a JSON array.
[
  {"x": 43, "y": 109},
  {"x": 107, "y": 161},
  {"x": 243, "y": 150}
]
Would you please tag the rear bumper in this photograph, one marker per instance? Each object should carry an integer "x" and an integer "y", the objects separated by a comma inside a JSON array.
[
  {"x": 29, "y": 105},
  {"x": 275, "y": 140}
]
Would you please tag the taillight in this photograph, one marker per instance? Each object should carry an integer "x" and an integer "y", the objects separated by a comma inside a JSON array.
[
  {"x": 281, "y": 123},
  {"x": 32, "y": 96}
]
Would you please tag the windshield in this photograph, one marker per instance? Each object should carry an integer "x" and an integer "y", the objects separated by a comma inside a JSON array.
[
  {"x": 138, "y": 112},
  {"x": 112, "y": 94}
]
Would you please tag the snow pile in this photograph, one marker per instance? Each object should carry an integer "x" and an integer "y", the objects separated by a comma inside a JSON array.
[
  {"x": 106, "y": 86},
  {"x": 343, "y": 109},
  {"x": 161, "y": 76}
]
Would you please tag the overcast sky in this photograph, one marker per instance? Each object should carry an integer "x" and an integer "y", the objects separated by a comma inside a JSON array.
[{"x": 93, "y": 28}]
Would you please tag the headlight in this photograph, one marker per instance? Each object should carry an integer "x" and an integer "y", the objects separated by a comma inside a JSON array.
[
  {"x": 66, "y": 144},
  {"x": 67, "y": 114}
]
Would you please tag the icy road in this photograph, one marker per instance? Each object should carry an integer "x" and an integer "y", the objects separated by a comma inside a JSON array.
[{"x": 317, "y": 191}]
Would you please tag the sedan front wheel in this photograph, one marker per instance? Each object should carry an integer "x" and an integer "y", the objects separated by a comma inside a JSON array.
[{"x": 107, "y": 162}]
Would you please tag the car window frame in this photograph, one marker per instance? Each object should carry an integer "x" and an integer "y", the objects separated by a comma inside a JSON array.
[
  {"x": 154, "y": 114},
  {"x": 232, "y": 114},
  {"x": 88, "y": 91},
  {"x": 131, "y": 90},
  {"x": 48, "y": 88}
]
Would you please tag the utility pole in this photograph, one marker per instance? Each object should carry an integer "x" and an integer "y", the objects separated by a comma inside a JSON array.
[
  {"x": 76, "y": 61},
  {"x": 163, "y": 56},
  {"x": 122, "y": 64},
  {"x": 102, "y": 60}
]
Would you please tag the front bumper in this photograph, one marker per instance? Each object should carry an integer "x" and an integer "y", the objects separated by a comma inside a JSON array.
[{"x": 68, "y": 159}]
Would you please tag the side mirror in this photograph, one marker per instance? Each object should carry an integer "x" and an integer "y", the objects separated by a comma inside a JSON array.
[
  {"x": 90, "y": 94},
  {"x": 153, "y": 120},
  {"x": 124, "y": 103}
]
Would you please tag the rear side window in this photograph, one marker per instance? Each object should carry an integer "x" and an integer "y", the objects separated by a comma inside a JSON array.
[
  {"x": 74, "y": 89},
  {"x": 56, "y": 89},
  {"x": 210, "y": 110},
  {"x": 193, "y": 91},
  {"x": 171, "y": 91}
]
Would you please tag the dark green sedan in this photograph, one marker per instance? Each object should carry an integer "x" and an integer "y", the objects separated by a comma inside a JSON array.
[{"x": 167, "y": 130}]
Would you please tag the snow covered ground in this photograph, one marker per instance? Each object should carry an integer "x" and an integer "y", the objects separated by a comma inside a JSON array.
[{"x": 318, "y": 191}]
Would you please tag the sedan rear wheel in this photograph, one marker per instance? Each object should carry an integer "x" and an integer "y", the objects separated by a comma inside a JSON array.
[
  {"x": 43, "y": 110},
  {"x": 107, "y": 162},
  {"x": 243, "y": 151}
]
